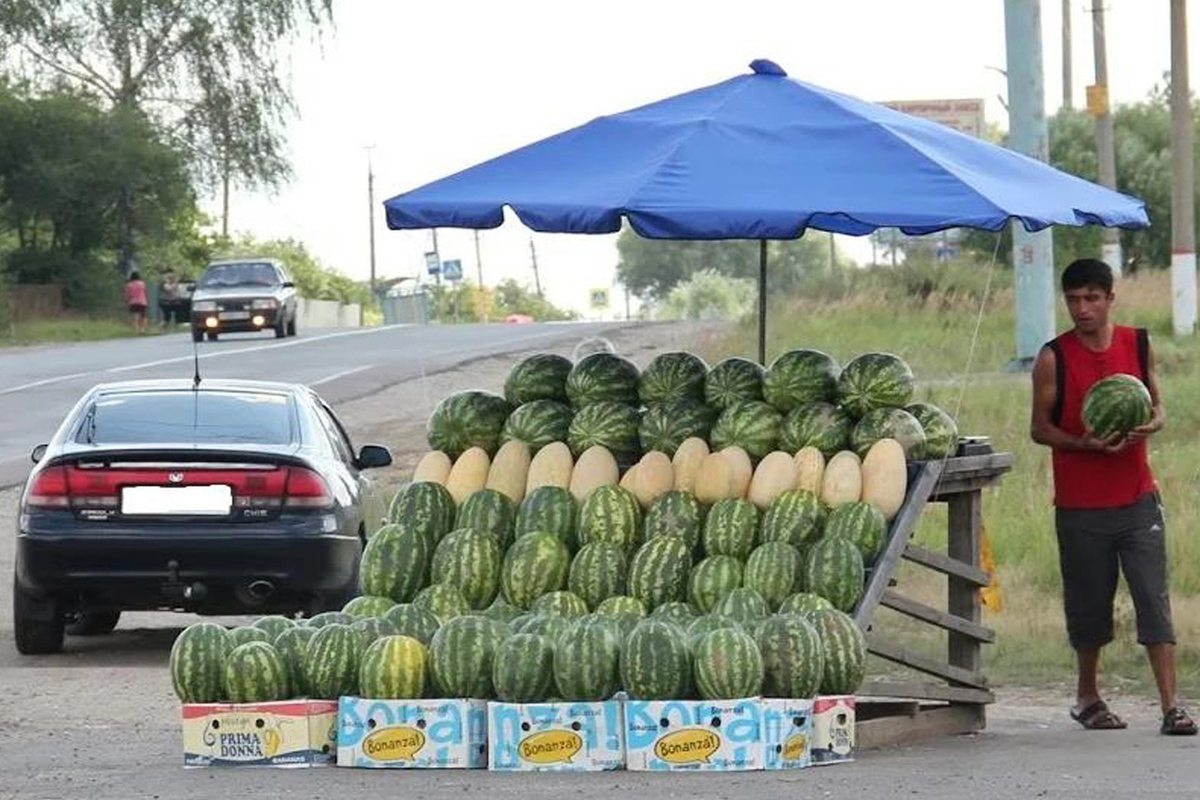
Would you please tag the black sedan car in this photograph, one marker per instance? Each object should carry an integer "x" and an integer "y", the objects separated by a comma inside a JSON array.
[
  {"x": 255, "y": 294},
  {"x": 218, "y": 498}
]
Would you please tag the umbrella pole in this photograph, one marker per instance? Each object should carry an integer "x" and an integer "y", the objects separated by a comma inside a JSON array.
[{"x": 762, "y": 302}]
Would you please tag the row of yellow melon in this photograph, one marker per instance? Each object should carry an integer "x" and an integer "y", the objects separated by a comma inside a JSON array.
[{"x": 881, "y": 478}]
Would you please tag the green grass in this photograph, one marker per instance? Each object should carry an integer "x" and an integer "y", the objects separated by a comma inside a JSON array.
[
  {"x": 934, "y": 336},
  {"x": 67, "y": 329}
]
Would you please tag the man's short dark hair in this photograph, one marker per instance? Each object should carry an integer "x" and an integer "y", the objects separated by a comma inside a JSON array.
[{"x": 1085, "y": 272}]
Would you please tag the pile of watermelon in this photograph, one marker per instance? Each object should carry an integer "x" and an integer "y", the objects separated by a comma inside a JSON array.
[{"x": 674, "y": 533}]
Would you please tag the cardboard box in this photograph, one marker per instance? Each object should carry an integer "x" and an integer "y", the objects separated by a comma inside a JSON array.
[
  {"x": 286, "y": 733},
  {"x": 787, "y": 733},
  {"x": 833, "y": 729},
  {"x": 412, "y": 734},
  {"x": 580, "y": 737},
  {"x": 721, "y": 735}
]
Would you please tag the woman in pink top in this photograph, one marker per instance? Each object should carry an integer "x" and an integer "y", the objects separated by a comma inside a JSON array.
[{"x": 135, "y": 300}]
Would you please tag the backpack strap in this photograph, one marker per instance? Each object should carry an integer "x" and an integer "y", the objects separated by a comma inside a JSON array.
[
  {"x": 1060, "y": 379},
  {"x": 1143, "y": 354}
]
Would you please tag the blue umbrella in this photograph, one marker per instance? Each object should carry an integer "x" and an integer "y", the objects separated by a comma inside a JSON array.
[{"x": 762, "y": 156}]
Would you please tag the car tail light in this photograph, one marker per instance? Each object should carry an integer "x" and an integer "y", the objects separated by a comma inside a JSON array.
[
  {"x": 49, "y": 489},
  {"x": 306, "y": 489}
]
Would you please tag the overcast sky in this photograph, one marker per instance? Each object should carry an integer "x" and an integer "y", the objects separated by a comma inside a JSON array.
[{"x": 439, "y": 86}]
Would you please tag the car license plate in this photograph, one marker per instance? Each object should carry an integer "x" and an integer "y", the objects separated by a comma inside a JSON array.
[
  {"x": 206, "y": 501},
  {"x": 234, "y": 315}
]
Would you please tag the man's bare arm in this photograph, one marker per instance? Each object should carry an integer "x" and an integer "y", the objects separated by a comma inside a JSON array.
[{"x": 1045, "y": 393}]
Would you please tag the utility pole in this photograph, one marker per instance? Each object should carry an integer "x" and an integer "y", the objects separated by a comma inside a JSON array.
[
  {"x": 1183, "y": 231},
  {"x": 1033, "y": 253},
  {"x": 437, "y": 256},
  {"x": 832, "y": 254},
  {"x": 537, "y": 281},
  {"x": 1098, "y": 106},
  {"x": 371, "y": 213},
  {"x": 478, "y": 260},
  {"x": 1068, "y": 81}
]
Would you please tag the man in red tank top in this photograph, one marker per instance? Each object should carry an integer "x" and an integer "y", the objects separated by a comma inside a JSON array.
[{"x": 1108, "y": 513}]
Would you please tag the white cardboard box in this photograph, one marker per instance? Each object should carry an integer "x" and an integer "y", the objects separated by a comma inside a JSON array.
[
  {"x": 833, "y": 729},
  {"x": 723, "y": 735},
  {"x": 787, "y": 733},
  {"x": 582, "y": 737},
  {"x": 412, "y": 734},
  {"x": 284, "y": 733}
]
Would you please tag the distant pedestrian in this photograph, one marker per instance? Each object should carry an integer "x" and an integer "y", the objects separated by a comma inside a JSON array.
[
  {"x": 135, "y": 300},
  {"x": 168, "y": 299}
]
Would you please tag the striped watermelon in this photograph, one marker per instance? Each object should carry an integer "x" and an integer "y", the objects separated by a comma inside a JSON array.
[
  {"x": 394, "y": 563},
  {"x": 467, "y": 419},
  {"x": 536, "y": 563},
  {"x": 548, "y": 509},
  {"x": 821, "y": 425},
  {"x": 732, "y": 381},
  {"x": 805, "y": 604},
  {"x": 730, "y": 528},
  {"x": 247, "y": 634},
  {"x": 274, "y": 624},
  {"x": 798, "y": 377},
  {"x": 371, "y": 628},
  {"x": 744, "y": 605},
  {"x": 702, "y": 626},
  {"x": 538, "y": 423},
  {"x": 793, "y": 659},
  {"x": 598, "y": 572},
  {"x": 329, "y": 618},
  {"x": 587, "y": 660},
  {"x": 621, "y": 604},
  {"x": 833, "y": 569},
  {"x": 712, "y": 579},
  {"x": 501, "y": 611},
  {"x": 611, "y": 514},
  {"x": 728, "y": 665},
  {"x": 795, "y": 517},
  {"x": 675, "y": 611},
  {"x": 845, "y": 650},
  {"x": 426, "y": 507},
  {"x": 291, "y": 644},
  {"x": 612, "y": 425},
  {"x": 675, "y": 514},
  {"x": 470, "y": 560},
  {"x": 523, "y": 669},
  {"x": 603, "y": 377},
  {"x": 860, "y": 523},
  {"x": 491, "y": 512},
  {"x": 941, "y": 433},
  {"x": 889, "y": 423},
  {"x": 875, "y": 380},
  {"x": 443, "y": 600},
  {"x": 658, "y": 572},
  {"x": 394, "y": 668},
  {"x": 331, "y": 660},
  {"x": 198, "y": 662},
  {"x": 1116, "y": 405},
  {"x": 773, "y": 570},
  {"x": 666, "y": 425},
  {"x": 560, "y": 604},
  {"x": 255, "y": 673},
  {"x": 366, "y": 605},
  {"x": 548, "y": 626},
  {"x": 416, "y": 621},
  {"x": 672, "y": 376},
  {"x": 462, "y": 654},
  {"x": 656, "y": 662},
  {"x": 751, "y": 425},
  {"x": 538, "y": 377}
]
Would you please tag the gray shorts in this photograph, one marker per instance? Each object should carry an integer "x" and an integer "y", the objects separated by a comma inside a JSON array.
[{"x": 1092, "y": 543}]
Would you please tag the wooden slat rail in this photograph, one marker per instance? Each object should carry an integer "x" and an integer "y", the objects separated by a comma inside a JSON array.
[
  {"x": 945, "y": 564},
  {"x": 929, "y": 666},
  {"x": 936, "y": 617},
  {"x": 920, "y": 690}
]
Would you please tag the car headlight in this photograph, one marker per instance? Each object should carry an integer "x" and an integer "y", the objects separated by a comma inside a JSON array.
[
  {"x": 266, "y": 302},
  {"x": 204, "y": 305}
]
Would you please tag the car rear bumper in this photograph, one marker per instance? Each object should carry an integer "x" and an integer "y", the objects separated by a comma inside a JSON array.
[{"x": 259, "y": 567}]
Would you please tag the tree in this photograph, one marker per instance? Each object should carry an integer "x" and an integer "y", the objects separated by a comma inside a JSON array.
[
  {"x": 313, "y": 279},
  {"x": 203, "y": 73}
]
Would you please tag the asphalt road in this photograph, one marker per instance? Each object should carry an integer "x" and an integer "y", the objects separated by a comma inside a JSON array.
[{"x": 39, "y": 385}]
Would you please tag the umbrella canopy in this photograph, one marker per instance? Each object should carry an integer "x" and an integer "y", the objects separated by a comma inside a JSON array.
[{"x": 762, "y": 156}]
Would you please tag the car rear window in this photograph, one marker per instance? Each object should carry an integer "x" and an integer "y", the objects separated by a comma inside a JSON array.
[
  {"x": 202, "y": 417},
  {"x": 250, "y": 273}
]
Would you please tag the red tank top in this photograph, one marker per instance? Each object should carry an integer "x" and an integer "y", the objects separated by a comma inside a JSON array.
[{"x": 1089, "y": 479}]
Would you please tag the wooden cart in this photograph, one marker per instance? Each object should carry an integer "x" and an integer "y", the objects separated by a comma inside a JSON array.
[{"x": 952, "y": 693}]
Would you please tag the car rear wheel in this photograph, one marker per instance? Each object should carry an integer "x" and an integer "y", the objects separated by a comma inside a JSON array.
[
  {"x": 38, "y": 623},
  {"x": 95, "y": 622}
]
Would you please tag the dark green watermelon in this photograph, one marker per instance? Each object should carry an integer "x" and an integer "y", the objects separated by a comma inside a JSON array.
[
  {"x": 468, "y": 419},
  {"x": 875, "y": 380},
  {"x": 666, "y": 425},
  {"x": 889, "y": 423},
  {"x": 941, "y": 433},
  {"x": 538, "y": 377},
  {"x": 672, "y": 376},
  {"x": 818, "y": 424},
  {"x": 538, "y": 423},
  {"x": 603, "y": 377},
  {"x": 798, "y": 377},
  {"x": 610, "y": 424},
  {"x": 731, "y": 381},
  {"x": 751, "y": 425}
]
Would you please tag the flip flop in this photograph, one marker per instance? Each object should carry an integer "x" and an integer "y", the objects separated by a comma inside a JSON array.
[
  {"x": 1176, "y": 722},
  {"x": 1097, "y": 717}
]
